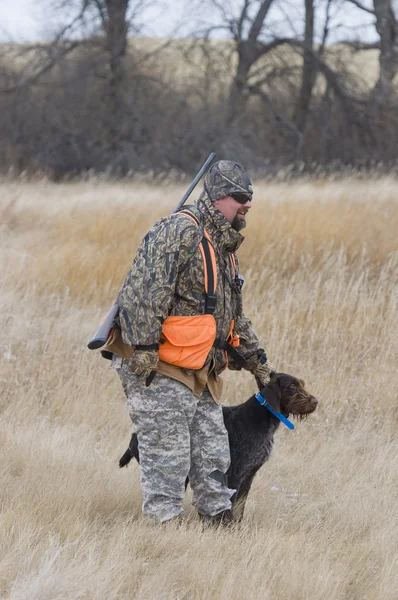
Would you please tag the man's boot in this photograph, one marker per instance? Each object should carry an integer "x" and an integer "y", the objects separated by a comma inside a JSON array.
[{"x": 224, "y": 518}]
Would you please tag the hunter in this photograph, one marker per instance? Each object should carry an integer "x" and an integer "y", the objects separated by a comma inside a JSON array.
[{"x": 182, "y": 322}]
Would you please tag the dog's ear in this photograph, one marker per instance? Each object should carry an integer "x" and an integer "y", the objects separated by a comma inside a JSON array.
[
  {"x": 273, "y": 379},
  {"x": 272, "y": 394}
]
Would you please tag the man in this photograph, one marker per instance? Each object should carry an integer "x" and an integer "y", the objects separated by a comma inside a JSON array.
[{"x": 178, "y": 422}]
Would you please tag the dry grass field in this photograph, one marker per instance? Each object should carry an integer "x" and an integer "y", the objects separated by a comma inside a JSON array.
[{"x": 321, "y": 266}]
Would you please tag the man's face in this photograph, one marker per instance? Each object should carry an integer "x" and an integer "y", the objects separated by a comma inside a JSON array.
[{"x": 233, "y": 211}]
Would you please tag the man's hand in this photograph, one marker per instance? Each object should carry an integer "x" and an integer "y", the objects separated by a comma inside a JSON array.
[
  {"x": 263, "y": 375},
  {"x": 261, "y": 369},
  {"x": 143, "y": 364}
]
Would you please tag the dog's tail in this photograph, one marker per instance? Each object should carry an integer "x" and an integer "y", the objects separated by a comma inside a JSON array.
[
  {"x": 131, "y": 452},
  {"x": 125, "y": 459}
]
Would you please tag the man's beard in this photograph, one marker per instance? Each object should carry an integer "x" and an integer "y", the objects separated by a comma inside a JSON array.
[{"x": 238, "y": 224}]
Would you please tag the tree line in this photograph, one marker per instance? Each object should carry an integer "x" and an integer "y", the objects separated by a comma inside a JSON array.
[{"x": 274, "y": 91}]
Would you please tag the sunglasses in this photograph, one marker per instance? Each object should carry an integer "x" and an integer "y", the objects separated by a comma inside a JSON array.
[{"x": 242, "y": 198}]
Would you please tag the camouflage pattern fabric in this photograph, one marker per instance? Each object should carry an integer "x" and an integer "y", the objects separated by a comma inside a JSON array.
[
  {"x": 167, "y": 278},
  {"x": 178, "y": 435},
  {"x": 262, "y": 373},
  {"x": 226, "y": 177},
  {"x": 143, "y": 362}
]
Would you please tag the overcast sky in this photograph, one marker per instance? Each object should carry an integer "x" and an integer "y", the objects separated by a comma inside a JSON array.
[
  {"x": 25, "y": 20},
  {"x": 28, "y": 20}
]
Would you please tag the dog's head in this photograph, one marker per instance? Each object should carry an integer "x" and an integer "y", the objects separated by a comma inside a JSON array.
[{"x": 287, "y": 394}]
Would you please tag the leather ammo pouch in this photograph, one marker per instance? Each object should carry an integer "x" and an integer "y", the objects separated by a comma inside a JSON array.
[{"x": 115, "y": 345}]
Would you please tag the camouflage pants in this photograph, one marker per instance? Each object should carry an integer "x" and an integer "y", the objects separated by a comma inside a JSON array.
[{"x": 178, "y": 435}]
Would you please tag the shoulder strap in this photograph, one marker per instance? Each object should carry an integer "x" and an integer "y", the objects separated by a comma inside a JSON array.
[
  {"x": 233, "y": 264},
  {"x": 209, "y": 260},
  {"x": 192, "y": 211},
  {"x": 188, "y": 213},
  {"x": 210, "y": 270}
]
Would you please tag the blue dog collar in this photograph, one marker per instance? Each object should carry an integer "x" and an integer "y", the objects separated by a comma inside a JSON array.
[{"x": 261, "y": 400}]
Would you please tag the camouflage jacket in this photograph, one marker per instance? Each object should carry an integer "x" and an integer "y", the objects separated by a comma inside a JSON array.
[{"x": 167, "y": 278}]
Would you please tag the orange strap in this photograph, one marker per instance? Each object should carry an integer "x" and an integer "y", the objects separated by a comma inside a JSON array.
[
  {"x": 209, "y": 264},
  {"x": 233, "y": 263}
]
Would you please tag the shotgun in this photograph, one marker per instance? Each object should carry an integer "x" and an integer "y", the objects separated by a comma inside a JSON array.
[{"x": 101, "y": 335}]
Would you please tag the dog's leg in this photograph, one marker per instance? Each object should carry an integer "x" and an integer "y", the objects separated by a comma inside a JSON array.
[{"x": 239, "y": 501}]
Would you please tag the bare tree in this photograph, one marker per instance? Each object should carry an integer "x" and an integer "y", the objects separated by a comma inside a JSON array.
[
  {"x": 387, "y": 28},
  {"x": 250, "y": 27},
  {"x": 249, "y": 50},
  {"x": 256, "y": 32},
  {"x": 311, "y": 58},
  {"x": 386, "y": 25},
  {"x": 309, "y": 69},
  {"x": 101, "y": 27},
  {"x": 113, "y": 16}
]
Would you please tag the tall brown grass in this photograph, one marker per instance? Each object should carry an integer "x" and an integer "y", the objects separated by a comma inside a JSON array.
[{"x": 320, "y": 261}]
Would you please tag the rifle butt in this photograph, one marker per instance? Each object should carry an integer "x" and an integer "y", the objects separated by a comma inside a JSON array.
[{"x": 101, "y": 335}]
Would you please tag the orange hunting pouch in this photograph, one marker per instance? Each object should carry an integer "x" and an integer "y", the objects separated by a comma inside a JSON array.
[{"x": 186, "y": 341}]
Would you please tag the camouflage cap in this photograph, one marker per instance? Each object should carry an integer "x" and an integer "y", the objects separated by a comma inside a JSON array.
[{"x": 226, "y": 177}]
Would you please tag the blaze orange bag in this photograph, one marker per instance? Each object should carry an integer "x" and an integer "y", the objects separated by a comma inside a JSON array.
[{"x": 187, "y": 340}]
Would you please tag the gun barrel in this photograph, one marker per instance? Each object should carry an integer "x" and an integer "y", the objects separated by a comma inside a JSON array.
[{"x": 195, "y": 182}]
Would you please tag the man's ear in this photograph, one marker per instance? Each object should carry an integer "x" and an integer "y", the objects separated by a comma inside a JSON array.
[{"x": 272, "y": 394}]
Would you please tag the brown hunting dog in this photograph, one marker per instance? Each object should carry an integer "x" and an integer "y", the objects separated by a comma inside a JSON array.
[{"x": 251, "y": 427}]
